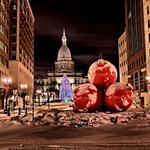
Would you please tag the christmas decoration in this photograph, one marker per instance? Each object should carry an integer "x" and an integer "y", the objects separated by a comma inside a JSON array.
[
  {"x": 102, "y": 73},
  {"x": 102, "y": 93},
  {"x": 86, "y": 98},
  {"x": 118, "y": 97},
  {"x": 65, "y": 92}
]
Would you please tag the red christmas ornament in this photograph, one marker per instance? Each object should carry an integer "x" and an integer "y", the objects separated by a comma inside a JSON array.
[
  {"x": 118, "y": 97},
  {"x": 86, "y": 98},
  {"x": 102, "y": 73}
]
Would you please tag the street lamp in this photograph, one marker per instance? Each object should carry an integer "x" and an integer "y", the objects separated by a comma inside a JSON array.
[
  {"x": 23, "y": 92},
  {"x": 147, "y": 78},
  {"x": 6, "y": 81},
  {"x": 38, "y": 91},
  {"x": 23, "y": 86}
]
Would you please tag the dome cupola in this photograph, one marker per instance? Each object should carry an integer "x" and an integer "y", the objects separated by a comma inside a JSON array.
[{"x": 64, "y": 52}]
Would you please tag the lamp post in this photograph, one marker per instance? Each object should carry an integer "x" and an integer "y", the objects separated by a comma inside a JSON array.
[
  {"x": 23, "y": 92},
  {"x": 6, "y": 81},
  {"x": 148, "y": 83},
  {"x": 38, "y": 91},
  {"x": 48, "y": 98}
]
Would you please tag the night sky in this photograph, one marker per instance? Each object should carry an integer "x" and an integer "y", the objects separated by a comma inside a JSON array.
[{"x": 91, "y": 27}]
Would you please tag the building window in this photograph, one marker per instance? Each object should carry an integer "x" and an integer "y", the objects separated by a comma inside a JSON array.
[
  {"x": 13, "y": 57},
  {"x": 1, "y": 15},
  {"x": 5, "y": 49},
  {"x": 14, "y": 48},
  {"x": 136, "y": 62},
  {"x": 14, "y": 30},
  {"x": 1, "y": 29},
  {"x": 14, "y": 39},
  {"x": 139, "y": 62},
  {"x": 1, "y": 45},
  {"x": 14, "y": 7},
  {"x": 2, "y": 3},
  {"x": 142, "y": 60},
  {"x": 147, "y": 10},
  {"x": 149, "y": 23}
]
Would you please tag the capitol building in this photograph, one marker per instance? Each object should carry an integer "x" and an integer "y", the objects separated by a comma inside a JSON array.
[{"x": 63, "y": 65}]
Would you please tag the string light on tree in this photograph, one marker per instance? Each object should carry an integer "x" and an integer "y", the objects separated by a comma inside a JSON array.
[{"x": 65, "y": 92}]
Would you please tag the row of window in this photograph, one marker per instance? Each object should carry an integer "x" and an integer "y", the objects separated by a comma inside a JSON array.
[
  {"x": 26, "y": 12},
  {"x": 123, "y": 53},
  {"x": 137, "y": 80},
  {"x": 123, "y": 63},
  {"x": 2, "y": 74},
  {"x": 40, "y": 82},
  {"x": 137, "y": 62},
  {"x": 2, "y": 4},
  {"x": 2, "y": 30},
  {"x": 122, "y": 42},
  {"x": 2, "y": 15},
  {"x": 124, "y": 74},
  {"x": 3, "y": 46},
  {"x": 26, "y": 62},
  {"x": 3, "y": 61},
  {"x": 4, "y": 18}
]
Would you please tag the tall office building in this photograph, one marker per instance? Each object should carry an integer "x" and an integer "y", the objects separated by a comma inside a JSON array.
[
  {"x": 4, "y": 43},
  {"x": 21, "y": 64},
  {"x": 123, "y": 62},
  {"x": 4, "y": 39},
  {"x": 138, "y": 45}
]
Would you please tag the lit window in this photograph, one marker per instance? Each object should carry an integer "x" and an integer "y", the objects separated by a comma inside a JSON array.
[
  {"x": 1, "y": 28},
  {"x": 14, "y": 7},
  {"x": 1, "y": 45},
  {"x": 1, "y": 15},
  {"x": 2, "y": 3}
]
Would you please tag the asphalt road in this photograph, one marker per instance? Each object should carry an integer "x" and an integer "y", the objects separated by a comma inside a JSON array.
[{"x": 134, "y": 135}]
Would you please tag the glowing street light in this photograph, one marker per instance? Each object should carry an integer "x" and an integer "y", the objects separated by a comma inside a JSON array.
[
  {"x": 7, "y": 81},
  {"x": 147, "y": 78},
  {"x": 23, "y": 86},
  {"x": 23, "y": 91}
]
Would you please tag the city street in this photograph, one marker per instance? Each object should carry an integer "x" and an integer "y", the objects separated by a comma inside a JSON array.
[
  {"x": 134, "y": 135},
  {"x": 74, "y": 74}
]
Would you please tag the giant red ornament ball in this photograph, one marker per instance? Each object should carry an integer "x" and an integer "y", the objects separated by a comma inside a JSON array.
[
  {"x": 86, "y": 98},
  {"x": 102, "y": 73},
  {"x": 118, "y": 97}
]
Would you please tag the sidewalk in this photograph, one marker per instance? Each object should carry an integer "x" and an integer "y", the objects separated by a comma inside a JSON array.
[
  {"x": 12, "y": 114},
  {"x": 3, "y": 116}
]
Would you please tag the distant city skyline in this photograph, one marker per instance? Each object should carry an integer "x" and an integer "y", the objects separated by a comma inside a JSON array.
[{"x": 90, "y": 28}]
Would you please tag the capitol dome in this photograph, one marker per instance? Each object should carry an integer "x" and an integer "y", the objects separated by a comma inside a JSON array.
[{"x": 64, "y": 53}]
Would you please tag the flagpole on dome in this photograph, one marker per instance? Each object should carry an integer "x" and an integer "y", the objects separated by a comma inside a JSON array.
[
  {"x": 64, "y": 39},
  {"x": 100, "y": 56}
]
